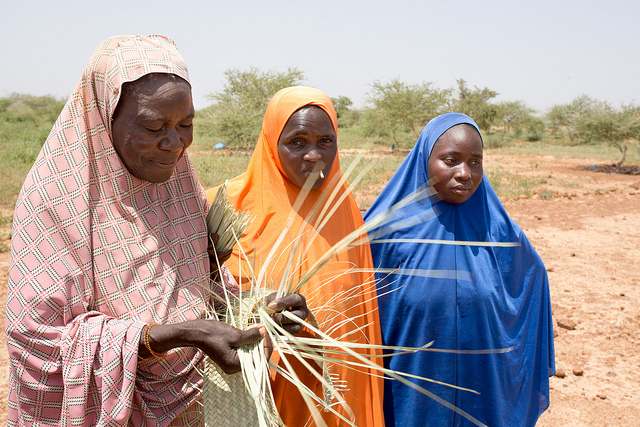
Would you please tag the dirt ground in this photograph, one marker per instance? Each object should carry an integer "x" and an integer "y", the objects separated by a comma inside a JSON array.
[{"x": 588, "y": 237}]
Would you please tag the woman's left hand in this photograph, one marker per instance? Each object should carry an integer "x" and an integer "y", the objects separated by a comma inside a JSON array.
[
  {"x": 213, "y": 254},
  {"x": 296, "y": 304}
]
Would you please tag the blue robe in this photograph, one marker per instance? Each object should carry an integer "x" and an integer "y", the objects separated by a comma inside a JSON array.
[{"x": 462, "y": 297}]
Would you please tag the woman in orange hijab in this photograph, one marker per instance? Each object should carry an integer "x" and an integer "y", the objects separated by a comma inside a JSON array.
[{"x": 298, "y": 142}]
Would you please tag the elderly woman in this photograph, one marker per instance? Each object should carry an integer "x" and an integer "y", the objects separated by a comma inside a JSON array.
[
  {"x": 109, "y": 277},
  {"x": 456, "y": 270},
  {"x": 298, "y": 141}
]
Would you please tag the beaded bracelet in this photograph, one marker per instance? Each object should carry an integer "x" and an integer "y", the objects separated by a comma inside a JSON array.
[{"x": 148, "y": 345}]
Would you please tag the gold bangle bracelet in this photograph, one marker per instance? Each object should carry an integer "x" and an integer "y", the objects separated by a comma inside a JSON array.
[{"x": 148, "y": 345}]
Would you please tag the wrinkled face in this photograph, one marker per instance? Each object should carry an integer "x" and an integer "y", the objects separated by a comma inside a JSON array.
[
  {"x": 152, "y": 126},
  {"x": 307, "y": 146},
  {"x": 456, "y": 163}
]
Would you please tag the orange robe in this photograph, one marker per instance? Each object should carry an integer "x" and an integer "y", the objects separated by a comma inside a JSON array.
[{"x": 266, "y": 192}]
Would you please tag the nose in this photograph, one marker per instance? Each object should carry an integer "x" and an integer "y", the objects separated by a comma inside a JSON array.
[
  {"x": 463, "y": 172},
  {"x": 172, "y": 141},
  {"x": 312, "y": 155}
]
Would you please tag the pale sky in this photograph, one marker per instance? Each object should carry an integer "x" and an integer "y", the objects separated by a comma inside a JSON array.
[{"x": 543, "y": 52}]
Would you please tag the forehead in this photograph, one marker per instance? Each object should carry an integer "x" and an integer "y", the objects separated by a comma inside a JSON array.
[
  {"x": 148, "y": 86},
  {"x": 462, "y": 138},
  {"x": 309, "y": 119}
]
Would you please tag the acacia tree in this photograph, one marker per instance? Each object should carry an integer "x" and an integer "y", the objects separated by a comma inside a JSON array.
[
  {"x": 345, "y": 115},
  {"x": 556, "y": 119},
  {"x": 238, "y": 108},
  {"x": 400, "y": 106},
  {"x": 475, "y": 104},
  {"x": 602, "y": 122},
  {"x": 562, "y": 118},
  {"x": 341, "y": 104},
  {"x": 516, "y": 117}
]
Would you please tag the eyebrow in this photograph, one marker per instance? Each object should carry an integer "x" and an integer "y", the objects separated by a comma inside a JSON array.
[
  {"x": 455, "y": 153},
  {"x": 304, "y": 131},
  {"x": 162, "y": 118}
]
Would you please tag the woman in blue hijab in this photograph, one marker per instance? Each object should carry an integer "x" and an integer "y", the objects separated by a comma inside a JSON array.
[{"x": 456, "y": 270}]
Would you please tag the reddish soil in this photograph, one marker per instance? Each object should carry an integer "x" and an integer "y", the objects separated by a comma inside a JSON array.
[{"x": 587, "y": 235}]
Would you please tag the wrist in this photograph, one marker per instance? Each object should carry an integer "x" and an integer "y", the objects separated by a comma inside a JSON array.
[{"x": 163, "y": 338}]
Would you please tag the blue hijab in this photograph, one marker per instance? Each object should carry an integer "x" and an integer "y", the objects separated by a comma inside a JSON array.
[{"x": 472, "y": 296}]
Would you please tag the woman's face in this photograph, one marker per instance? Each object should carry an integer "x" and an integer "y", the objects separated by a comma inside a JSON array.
[
  {"x": 152, "y": 126},
  {"x": 455, "y": 163},
  {"x": 307, "y": 146}
]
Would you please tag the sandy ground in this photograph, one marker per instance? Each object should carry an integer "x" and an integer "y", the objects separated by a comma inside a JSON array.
[{"x": 588, "y": 237}]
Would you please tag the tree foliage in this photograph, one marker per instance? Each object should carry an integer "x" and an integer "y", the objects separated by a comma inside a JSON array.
[
  {"x": 562, "y": 118},
  {"x": 517, "y": 117},
  {"x": 346, "y": 116},
  {"x": 475, "y": 104},
  {"x": 398, "y": 106},
  {"x": 588, "y": 121},
  {"x": 238, "y": 108},
  {"x": 341, "y": 104},
  {"x": 37, "y": 110}
]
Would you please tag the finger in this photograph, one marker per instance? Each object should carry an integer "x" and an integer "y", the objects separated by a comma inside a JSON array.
[
  {"x": 230, "y": 364},
  {"x": 223, "y": 256},
  {"x": 300, "y": 313},
  {"x": 270, "y": 298},
  {"x": 268, "y": 347},
  {"x": 293, "y": 328},
  {"x": 251, "y": 336},
  {"x": 281, "y": 319},
  {"x": 287, "y": 302}
]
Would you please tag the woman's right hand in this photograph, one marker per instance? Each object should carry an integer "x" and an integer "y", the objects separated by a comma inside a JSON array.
[
  {"x": 217, "y": 339},
  {"x": 220, "y": 340}
]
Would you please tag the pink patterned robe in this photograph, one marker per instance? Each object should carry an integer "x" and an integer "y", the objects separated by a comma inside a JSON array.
[{"x": 97, "y": 254}]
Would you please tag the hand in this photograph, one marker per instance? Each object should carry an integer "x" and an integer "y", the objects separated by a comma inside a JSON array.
[
  {"x": 296, "y": 304},
  {"x": 221, "y": 256},
  {"x": 217, "y": 339}
]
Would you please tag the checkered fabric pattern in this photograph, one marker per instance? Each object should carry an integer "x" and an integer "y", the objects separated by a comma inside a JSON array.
[{"x": 97, "y": 254}]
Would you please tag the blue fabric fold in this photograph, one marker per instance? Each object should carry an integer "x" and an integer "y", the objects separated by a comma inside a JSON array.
[{"x": 489, "y": 294}]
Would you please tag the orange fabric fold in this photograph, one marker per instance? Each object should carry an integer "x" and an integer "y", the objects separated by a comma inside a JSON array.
[{"x": 336, "y": 292}]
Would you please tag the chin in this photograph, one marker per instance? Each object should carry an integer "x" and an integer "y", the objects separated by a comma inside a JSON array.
[
  {"x": 317, "y": 185},
  {"x": 455, "y": 200},
  {"x": 157, "y": 179}
]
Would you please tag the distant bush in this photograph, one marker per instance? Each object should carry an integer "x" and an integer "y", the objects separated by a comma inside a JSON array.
[
  {"x": 589, "y": 121},
  {"x": 496, "y": 140},
  {"x": 238, "y": 108},
  {"x": 37, "y": 110},
  {"x": 533, "y": 129},
  {"x": 349, "y": 118},
  {"x": 400, "y": 107}
]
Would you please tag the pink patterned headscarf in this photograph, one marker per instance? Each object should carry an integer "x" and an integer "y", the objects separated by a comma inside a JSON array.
[{"x": 96, "y": 255}]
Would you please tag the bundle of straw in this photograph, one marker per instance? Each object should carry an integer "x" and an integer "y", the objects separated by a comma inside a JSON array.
[{"x": 225, "y": 221}]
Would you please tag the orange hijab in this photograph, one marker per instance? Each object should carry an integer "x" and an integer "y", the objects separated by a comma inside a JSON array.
[{"x": 267, "y": 193}]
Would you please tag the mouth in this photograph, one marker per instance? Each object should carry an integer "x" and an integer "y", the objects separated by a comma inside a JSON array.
[
  {"x": 316, "y": 170},
  {"x": 166, "y": 165},
  {"x": 460, "y": 190}
]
